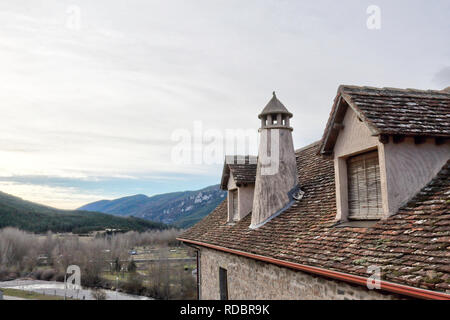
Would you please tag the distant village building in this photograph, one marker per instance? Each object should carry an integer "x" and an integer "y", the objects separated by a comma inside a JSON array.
[{"x": 361, "y": 214}]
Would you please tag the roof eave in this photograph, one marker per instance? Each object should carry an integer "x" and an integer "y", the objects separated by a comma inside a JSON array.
[{"x": 225, "y": 176}]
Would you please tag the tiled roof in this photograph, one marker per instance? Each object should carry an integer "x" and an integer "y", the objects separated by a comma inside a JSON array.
[
  {"x": 243, "y": 169},
  {"x": 390, "y": 111},
  {"x": 412, "y": 247}
]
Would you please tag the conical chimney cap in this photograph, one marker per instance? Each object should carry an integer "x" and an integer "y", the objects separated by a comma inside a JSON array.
[{"x": 274, "y": 107}]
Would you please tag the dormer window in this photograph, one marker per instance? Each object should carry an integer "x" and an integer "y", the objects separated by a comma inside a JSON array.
[
  {"x": 238, "y": 178},
  {"x": 373, "y": 185},
  {"x": 360, "y": 169},
  {"x": 364, "y": 187}
]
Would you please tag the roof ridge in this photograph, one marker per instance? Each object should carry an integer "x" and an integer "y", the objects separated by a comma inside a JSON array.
[{"x": 399, "y": 90}]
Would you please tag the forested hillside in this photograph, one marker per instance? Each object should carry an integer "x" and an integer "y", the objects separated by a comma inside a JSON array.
[
  {"x": 182, "y": 209},
  {"x": 26, "y": 215}
]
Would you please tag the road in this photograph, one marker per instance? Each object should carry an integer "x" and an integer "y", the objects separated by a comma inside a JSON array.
[
  {"x": 54, "y": 288},
  {"x": 12, "y": 298}
]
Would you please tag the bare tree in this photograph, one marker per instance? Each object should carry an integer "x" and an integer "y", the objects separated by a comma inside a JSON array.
[{"x": 98, "y": 294}]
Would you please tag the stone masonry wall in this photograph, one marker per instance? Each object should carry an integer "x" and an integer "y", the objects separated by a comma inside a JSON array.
[{"x": 252, "y": 279}]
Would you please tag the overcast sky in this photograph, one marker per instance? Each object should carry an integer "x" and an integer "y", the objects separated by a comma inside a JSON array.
[{"x": 92, "y": 91}]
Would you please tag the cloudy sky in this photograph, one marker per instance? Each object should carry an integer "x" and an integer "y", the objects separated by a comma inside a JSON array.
[{"x": 93, "y": 93}]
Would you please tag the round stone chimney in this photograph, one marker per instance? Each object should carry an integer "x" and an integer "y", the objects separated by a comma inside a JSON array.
[{"x": 276, "y": 174}]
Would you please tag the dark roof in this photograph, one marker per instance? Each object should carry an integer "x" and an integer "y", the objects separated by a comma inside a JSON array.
[
  {"x": 412, "y": 246},
  {"x": 274, "y": 107},
  {"x": 390, "y": 111},
  {"x": 243, "y": 169}
]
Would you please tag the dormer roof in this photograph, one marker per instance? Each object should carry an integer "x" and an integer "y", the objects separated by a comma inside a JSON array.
[
  {"x": 242, "y": 168},
  {"x": 390, "y": 111}
]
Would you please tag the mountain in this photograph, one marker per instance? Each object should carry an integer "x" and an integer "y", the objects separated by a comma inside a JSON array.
[
  {"x": 182, "y": 209},
  {"x": 30, "y": 216}
]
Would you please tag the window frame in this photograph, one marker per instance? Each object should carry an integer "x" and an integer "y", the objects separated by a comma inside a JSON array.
[
  {"x": 365, "y": 157},
  {"x": 223, "y": 283}
]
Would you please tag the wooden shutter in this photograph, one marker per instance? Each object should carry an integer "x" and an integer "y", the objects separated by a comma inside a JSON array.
[
  {"x": 364, "y": 189},
  {"x": 223, "y": 284},
  {"x": 234, "y": 195}
]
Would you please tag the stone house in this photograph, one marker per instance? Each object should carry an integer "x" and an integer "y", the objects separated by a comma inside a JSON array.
[{"x": 361, "y": 214}]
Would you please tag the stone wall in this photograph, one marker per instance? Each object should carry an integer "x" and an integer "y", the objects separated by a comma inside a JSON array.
[{"x": 252, "y": 279}]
